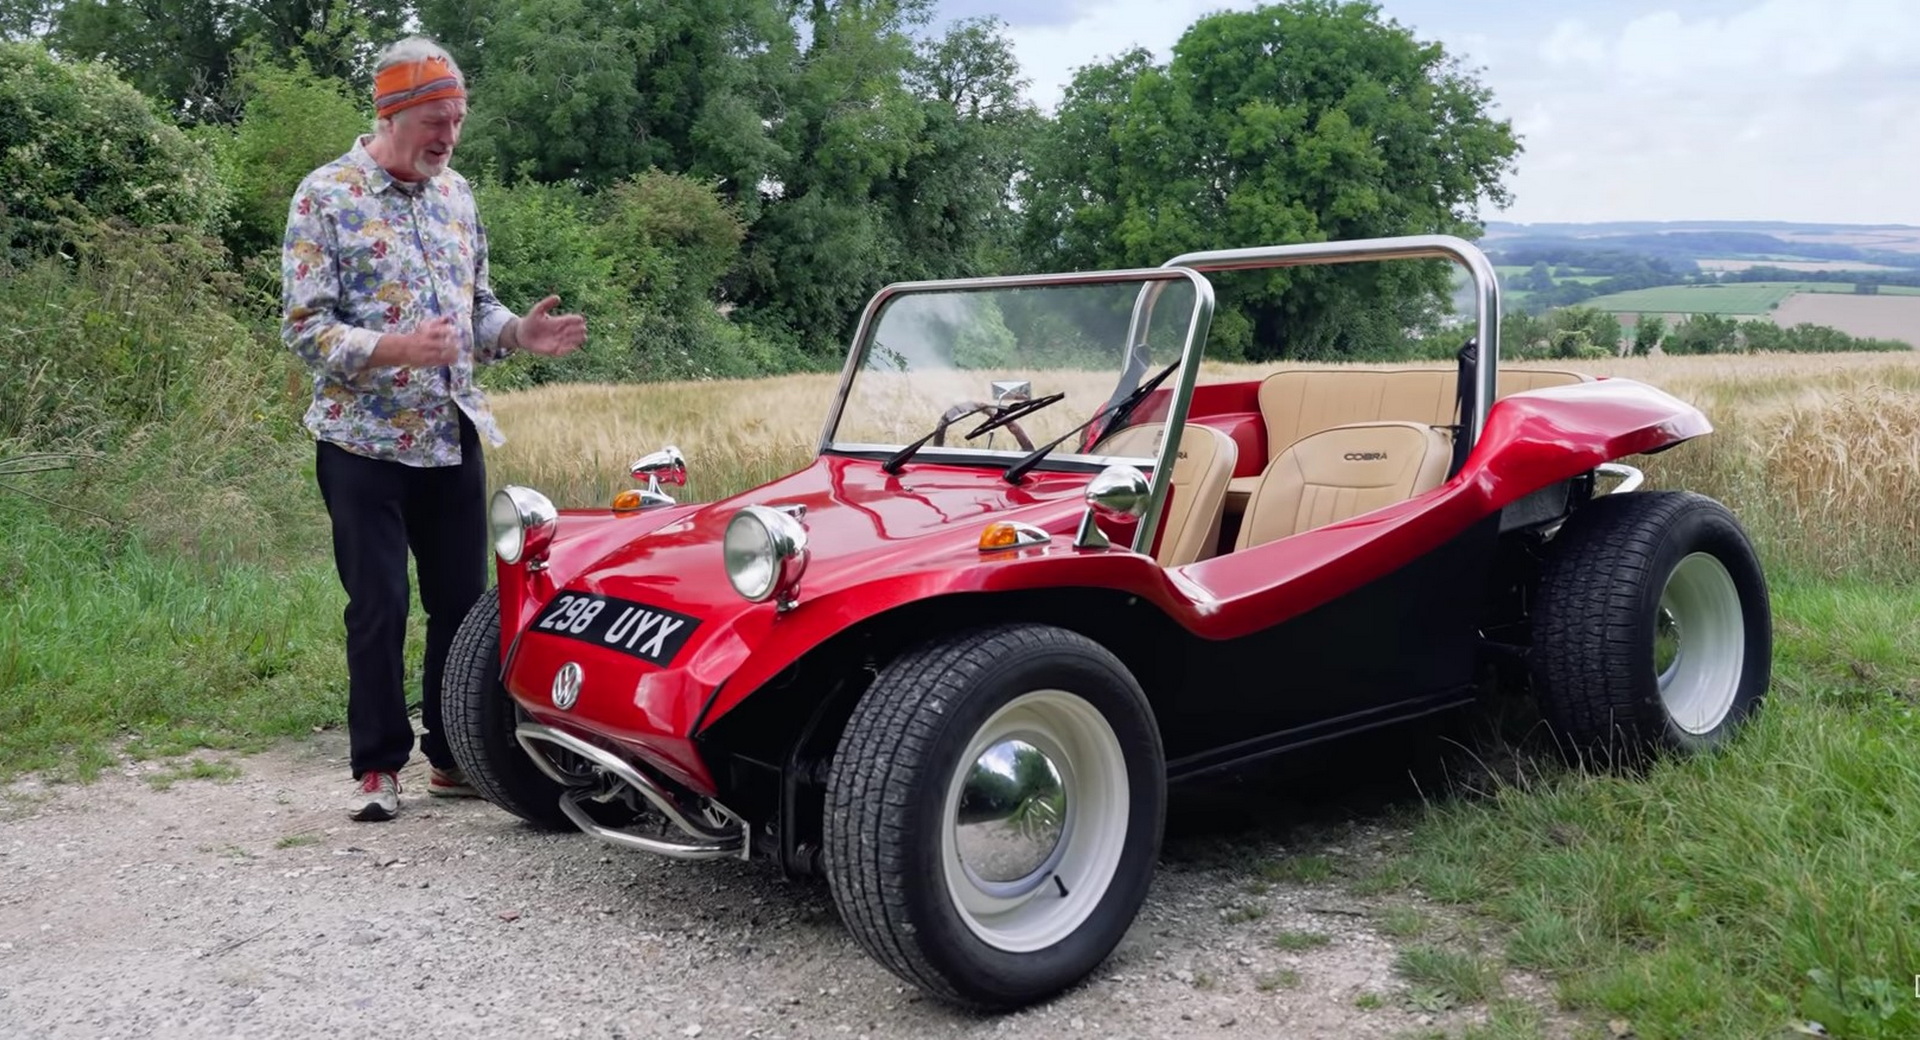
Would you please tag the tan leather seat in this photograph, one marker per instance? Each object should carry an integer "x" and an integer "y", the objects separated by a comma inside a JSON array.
[
  {"x": 1342, "y": 472},
  {"x": 1191, "y": 516},
  {"x": 1297, "y": 402}
]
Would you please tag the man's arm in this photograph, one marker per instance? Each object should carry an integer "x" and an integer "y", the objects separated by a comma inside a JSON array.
[
  {"x": 310, "y": 293},
  {"x": 495, "y": 327}
]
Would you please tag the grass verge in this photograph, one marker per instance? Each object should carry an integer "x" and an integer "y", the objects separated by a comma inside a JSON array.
[
  {"x": 1734, "y": 894},
  {"x": 111, "y": 647}
]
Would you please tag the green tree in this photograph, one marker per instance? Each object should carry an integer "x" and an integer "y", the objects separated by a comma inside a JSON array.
[
  {"x": 22, "y": 20},
  {"x": 1703, "y": 334},
  {"x": 953, "y": 200},
  {"x": 1304, "y": 121},
  {"x": 1582, "y": 332},
  {"x": 78, "y": 143},
  {"x": 1538, "y": 278},
  {"x": 292, "y": 121},
  {"x": 1647, "y": 332},
  {"x": 185, "y": 52},
  {"x": 598, "y": 90},
  {"x": 896, "y": 159}
]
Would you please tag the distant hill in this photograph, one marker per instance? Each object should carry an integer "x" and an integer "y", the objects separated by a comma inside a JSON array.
[{"x": 1687, "y": 242}]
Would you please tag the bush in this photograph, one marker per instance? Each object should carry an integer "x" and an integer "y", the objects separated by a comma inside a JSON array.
[
  {"x": 79, "y": 144},
  {"x": 640, "y": 262},
  {"x": 292, "y": 121},
  {"x": 671, "y": 239},
  {"x": 135, "y": 329}
]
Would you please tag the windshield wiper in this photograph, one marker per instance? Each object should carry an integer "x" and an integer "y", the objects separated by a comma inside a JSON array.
[
  {"x": 1019, "y": 411},
  {"x": 993, "y": 422},
  {"x": 1117, "y": 412},
  {"x": 899, "y": 458}
]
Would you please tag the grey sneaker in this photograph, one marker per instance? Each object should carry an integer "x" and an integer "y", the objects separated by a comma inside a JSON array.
[
  {"x": 449, "y": 783},
  {"x": 377, "y": 797}
]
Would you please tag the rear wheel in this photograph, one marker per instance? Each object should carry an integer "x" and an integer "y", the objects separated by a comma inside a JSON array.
[
  {"x": 1651, "y": 627},
  {"x": 994, "y": 810},
  {"x": 479, "y": 717}
]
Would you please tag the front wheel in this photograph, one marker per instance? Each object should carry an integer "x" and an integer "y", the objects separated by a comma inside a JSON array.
[
  {"x": 1651, "y": 627},
  {"x": 995, "y": 808},
  {"x": 479, "y": 718}
]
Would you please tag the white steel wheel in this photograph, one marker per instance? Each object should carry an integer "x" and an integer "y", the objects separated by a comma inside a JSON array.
[
  {"x": 1035, "y": 821},
  {"x": 993, "y": 812},
  {"x": 1698, "y": 644}
]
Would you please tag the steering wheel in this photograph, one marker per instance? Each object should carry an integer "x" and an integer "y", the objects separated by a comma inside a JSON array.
[{"x": 962, "y": 409}]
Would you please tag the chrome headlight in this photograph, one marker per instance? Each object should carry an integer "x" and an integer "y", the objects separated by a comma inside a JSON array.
[
  {"x": 766, "y": 552},
  {"x": 522, "y": 522}
]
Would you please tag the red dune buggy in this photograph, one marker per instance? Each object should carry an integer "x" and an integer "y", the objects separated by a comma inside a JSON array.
[{"x": 1037, "y": 572}]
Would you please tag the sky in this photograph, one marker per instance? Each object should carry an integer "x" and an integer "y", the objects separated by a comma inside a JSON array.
[{"x": 1801, "y": 110}]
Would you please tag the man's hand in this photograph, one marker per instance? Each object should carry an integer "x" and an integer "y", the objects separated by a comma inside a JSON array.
[
  {"x": 433, "y": 343},
  {"x": 544, "y": 333}
]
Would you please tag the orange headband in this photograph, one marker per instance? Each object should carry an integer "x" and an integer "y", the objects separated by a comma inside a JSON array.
[{"x": 413, "y": 83}]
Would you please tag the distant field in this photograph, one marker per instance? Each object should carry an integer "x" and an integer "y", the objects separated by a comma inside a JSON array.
[
  {"x": 1878, "y": 317},
  {"x": 1741, "y": 298},
  {"x": 1748, "y": 298},
  {"x": 1793, "y": 265}
]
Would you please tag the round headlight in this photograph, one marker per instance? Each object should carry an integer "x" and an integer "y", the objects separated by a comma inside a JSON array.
[
  {"x": 522, "y": 522},
  {"x": 765, "y": 552}
]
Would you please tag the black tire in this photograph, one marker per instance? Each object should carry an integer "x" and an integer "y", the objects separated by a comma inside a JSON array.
[
  {"x": 1598, "y": 610},
  {"x": 887, "y": 811},
  {"x": 480, "y": 717}
]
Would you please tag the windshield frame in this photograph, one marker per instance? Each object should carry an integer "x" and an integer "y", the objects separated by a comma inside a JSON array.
[{"x": 1153, "y": 282}]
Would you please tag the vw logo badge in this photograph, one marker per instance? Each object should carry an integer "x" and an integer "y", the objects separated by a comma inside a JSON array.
[{"x": 566, "y": 686}]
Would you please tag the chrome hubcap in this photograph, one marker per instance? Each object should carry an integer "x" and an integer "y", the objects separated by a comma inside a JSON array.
[
  {"x": 1699, "y": 644},
  {"x": 1013, "y": 812},
  {"x": 1035, "y": 821}
]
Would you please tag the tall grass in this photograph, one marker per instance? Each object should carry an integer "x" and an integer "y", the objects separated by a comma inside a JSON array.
[
  {"x": 109, "y": 646},
  {"x": 173, "y": 588}
]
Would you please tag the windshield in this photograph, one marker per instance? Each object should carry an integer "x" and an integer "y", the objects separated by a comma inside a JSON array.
[{"x": 939, "y": 362}]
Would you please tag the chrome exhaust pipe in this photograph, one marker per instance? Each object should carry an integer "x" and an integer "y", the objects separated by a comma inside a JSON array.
[{"x": 709, "y": 840}]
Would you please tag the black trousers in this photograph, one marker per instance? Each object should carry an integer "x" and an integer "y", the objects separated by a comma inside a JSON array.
[{"x": 380, "y": 510}]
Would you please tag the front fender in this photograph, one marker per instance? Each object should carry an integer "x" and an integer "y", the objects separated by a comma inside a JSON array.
[
  {"x": 582, "y": 537},
  {"x": 759, "y": 643}
]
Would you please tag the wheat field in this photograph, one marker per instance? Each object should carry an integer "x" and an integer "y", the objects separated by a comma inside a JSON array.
[{"x": 1818, "y": 454}]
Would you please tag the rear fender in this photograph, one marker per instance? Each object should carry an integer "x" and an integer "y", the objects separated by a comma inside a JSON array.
[{"x": 1540, "y": 437}]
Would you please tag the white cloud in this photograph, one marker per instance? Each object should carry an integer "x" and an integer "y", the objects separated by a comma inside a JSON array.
[
  {"x": 1783, "y": 109},
  {"x": 1637, "y": 110},
  {"x": 1049, "y": 54}
]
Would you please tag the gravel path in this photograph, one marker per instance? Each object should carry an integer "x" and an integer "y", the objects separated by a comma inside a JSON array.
[{"x": 252, "y": 907}]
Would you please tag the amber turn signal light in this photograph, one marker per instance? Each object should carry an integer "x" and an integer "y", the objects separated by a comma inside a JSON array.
[
  {"x": 1008, "y": 534},
  {"x": 627, "y": 500}
]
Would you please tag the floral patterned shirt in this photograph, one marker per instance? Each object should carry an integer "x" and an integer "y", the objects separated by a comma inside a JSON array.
[{"x": 365, "y": 253}]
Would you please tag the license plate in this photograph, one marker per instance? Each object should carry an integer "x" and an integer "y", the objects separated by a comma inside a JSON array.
[{"x": 635, "y": 629}]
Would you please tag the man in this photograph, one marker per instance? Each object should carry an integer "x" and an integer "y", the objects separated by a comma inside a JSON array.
[{"x": 385, "y": 297}]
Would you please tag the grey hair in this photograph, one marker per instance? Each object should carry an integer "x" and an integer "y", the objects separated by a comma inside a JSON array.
[{"x": 413, "y": 48}]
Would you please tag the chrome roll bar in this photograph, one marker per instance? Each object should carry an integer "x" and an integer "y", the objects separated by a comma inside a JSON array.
[{"x": 1410, "y": 247}]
